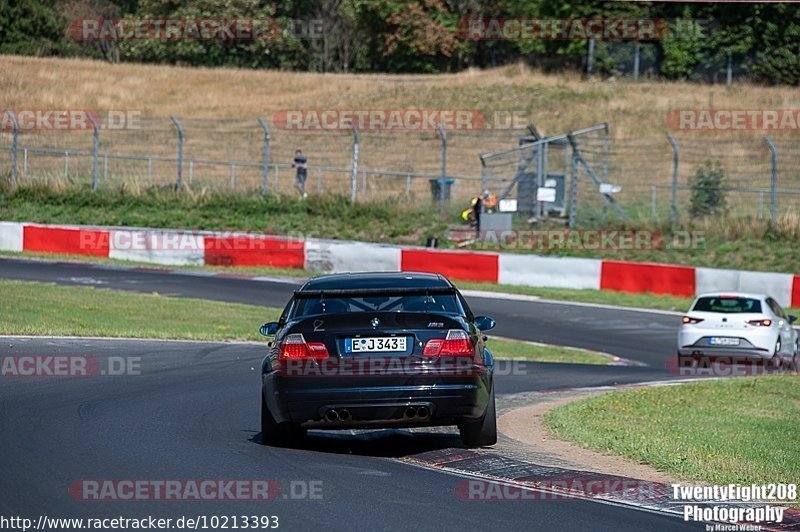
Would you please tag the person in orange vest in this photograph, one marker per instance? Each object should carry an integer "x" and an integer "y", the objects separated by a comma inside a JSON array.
[{"x": 489, "y": 202}]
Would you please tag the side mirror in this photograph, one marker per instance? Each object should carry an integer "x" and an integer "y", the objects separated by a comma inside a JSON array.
[
  {"x": 792, "y": 318},
  {"x": 484, "y": 323},
  {"x": 269, "y": 329}
]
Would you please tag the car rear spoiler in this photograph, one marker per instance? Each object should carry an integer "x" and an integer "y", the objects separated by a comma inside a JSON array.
[{"x": 374, "y": 292}]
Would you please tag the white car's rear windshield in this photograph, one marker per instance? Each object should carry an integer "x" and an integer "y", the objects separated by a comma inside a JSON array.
[{"x": 729, "y": 305}]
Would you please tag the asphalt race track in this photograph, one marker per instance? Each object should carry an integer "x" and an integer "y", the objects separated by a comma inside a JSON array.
[
  {"x": 641, "y": 336},
  {"x": 192, "y": 413}
]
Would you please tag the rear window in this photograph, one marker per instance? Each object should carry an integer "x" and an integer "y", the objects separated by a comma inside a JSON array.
[
  {"x": 337, "y": 305},
  {"x": 728, "y": 305}
]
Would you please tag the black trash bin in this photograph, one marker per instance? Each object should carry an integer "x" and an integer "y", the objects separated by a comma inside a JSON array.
[{"x": 440, "y": 189}]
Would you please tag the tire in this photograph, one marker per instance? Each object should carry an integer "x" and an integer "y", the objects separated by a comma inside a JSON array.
[
  {"x": 776, "y": 362},
  {"x": 483, "y": 431},
  {"x": 796, "y": 357},
  {"x": 274, "y": 433}
]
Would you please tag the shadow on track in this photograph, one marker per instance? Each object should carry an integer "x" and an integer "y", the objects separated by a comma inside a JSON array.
[{"x": 384, "y": 443}]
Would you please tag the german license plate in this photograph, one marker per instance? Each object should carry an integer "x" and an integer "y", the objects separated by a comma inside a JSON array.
[
  {"x": 375, "y": 344},
  {"x": 723, "y": 340}
]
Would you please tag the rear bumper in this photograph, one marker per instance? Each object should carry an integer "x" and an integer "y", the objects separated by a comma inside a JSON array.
[
  {"x": 753, "y": 345},
  {"x": 725, "y": 352},
  {"x": 376, "y": 401},
  {"x": 752, "y": 342}
]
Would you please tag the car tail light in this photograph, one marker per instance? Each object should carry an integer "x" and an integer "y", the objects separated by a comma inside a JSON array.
[
  {"x": 760, "y": 323},
  {"x": 690, "y": 320},
  {"x": 457, "y": 343},
  {"x": 295, "y": 347}
]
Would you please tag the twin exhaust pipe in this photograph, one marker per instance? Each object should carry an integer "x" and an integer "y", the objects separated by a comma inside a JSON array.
[
  {"x": 417, "y": 412},
  {"x": 337, "y": 415},
  {"x": 343, "y": 415}
]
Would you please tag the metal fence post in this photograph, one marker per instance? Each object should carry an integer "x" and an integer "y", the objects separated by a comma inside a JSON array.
[
  {"x": 606, "y": 149},
  {"x": 729, "y": 70},
  {"x": 443, "y": 135},
  {"x": 673, "y": 211},
  {"x": 636, "y": 53},
  {"x": 773, "y": 185},
  {"x": 354, "y": 175},
  {"x": 573, "y": 183},
  {"x": 654, "y": 202},
  {"x": 179, "y": 182},
  {"x": 539, "y": 179},
  {"x": 95, "y": 148},
  {"x": 484, "y": 173},
  {"x": 265, "y": 157},
  {"x": 14, "y": 139}
]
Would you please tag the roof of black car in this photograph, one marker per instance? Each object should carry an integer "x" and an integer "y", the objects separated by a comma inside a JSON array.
[{"x": 376, "y": 280}]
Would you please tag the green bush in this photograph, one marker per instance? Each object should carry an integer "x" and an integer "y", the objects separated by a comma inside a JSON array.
[{"x": 708, "y": 196}]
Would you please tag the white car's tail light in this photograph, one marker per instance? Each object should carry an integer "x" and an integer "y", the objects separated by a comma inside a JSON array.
[
  {"x": 760, "y": 323},
  {"x": 690, "y": 320}
]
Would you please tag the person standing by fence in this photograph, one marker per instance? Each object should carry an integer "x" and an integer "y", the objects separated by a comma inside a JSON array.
[{"x": 301, "y": 164}]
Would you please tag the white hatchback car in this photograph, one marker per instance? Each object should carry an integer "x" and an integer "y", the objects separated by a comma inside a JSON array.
[{"x": 736, "y": 325}]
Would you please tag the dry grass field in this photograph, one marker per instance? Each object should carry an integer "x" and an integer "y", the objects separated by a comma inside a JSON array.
[
  {"x": 636, "y": 112},
  {"x": 554, "y": 103}
]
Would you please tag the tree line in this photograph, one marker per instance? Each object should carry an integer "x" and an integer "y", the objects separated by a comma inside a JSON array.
[{"x": 762, "y": 41}]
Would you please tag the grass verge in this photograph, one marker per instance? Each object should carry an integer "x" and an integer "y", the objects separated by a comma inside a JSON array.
[
  {"x": 507, "y": 349},
  {"x": 44, "y": 309},
  {"x": 327, "y": 216},
  {"x": 725, "y": 431}
]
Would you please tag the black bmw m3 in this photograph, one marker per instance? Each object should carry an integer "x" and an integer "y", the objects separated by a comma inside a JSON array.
[{"x": 367, "y": 350}]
